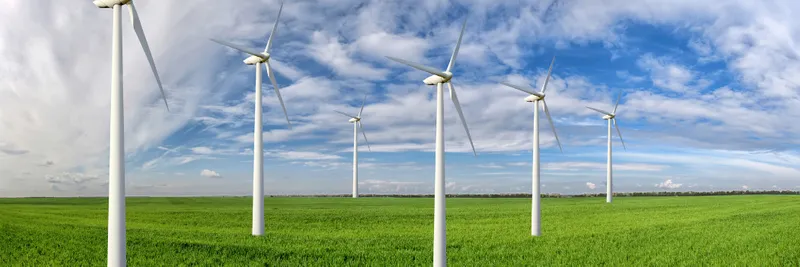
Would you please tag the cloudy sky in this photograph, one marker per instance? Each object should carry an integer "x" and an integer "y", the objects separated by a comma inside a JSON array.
[{"x": 710, "y": 95}]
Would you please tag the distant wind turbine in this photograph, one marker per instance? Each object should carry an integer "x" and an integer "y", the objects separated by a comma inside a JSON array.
[
  {"x": 356, "y": 121},
  {"x": 536, "y": 210},
  {"x": 439, "y": 78},
  {"x": 610, "y": 117},
  {"x": 257, "y": 59},
  {"x": 116, "y": 158}
]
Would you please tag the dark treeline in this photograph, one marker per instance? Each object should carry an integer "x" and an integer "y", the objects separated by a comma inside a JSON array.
[{"x": 528, "y": 195}]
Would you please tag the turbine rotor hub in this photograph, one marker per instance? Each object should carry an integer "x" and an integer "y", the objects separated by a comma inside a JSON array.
[
  {"x": 354, "y": 120},
  {"x": 608, "y": 117}
]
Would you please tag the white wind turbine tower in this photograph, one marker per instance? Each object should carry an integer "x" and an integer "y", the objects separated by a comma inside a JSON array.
[
  {"x": 610, "y": 117},
  {"x": 356, "y": 121},
  {"x": 116, "y": 158},
  {"x": 536, "y": 210},
  {"x": 439, "y": 78},
  {"x": 258, "y": 59}
]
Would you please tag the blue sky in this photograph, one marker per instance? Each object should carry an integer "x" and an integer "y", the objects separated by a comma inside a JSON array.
[{"x": 709, "y": 96}]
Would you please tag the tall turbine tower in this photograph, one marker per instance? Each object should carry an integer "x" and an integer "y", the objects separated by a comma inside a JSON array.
[
  {"x": 356, "y": 121},
  {"x": 536, "y": 210},
  {"x": 116, "y": 157},
  {"x": 439, "y": 78},
  {"x": 610, "y": 117},
  {"x": 257, "y": 59}
]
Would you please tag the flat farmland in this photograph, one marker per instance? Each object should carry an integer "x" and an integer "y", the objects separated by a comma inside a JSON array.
[{"x": 752, "y": 230}]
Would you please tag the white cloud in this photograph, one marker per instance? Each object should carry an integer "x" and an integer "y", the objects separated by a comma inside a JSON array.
[
  {"x": 668, "y": 184},
  {"x": 209, "y": 173},
  {"x": 68, "y": 177},
  {"x": 450, "y": 185},
  {"x": 591, "y": 185},
  {"x": 386, "y": 186},
  {"x": 74, "y": 182},
  {"x": 671, "y": 76}
]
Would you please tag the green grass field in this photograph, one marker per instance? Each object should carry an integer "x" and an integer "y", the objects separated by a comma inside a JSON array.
[{"x": 633, "y": 231}]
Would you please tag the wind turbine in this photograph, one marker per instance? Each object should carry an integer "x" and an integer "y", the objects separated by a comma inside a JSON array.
[
  {"x": 536, "y": 210},
  {"x": 356, "y": 121},
  {"x": 439, "y": 78},
  {"x": 116, "y": 157},
  {"x": 258, "y": 59},
  {"x": 610, "y": 116}
]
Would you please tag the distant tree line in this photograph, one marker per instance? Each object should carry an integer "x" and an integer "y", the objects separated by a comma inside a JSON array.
[
  {"x": 555, "y": 195},
  {"x": 526, "y": 195}
]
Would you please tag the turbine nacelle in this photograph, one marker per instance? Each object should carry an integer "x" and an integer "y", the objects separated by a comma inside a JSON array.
[
  {"x": 436, "y": 79},
  {"x": 608, "y": 117},
  {"x": 354, "y": 120},
  {"x": 252, "y": 60},
  {"x": 109, "y": 3},
  {"x": 534, "y": 98}
]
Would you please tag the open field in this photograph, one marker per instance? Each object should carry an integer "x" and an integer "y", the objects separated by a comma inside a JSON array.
[{"x": 755, "y": 230}]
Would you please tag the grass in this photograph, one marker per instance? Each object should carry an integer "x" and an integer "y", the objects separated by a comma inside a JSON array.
[{"x": 633, "y": 231}]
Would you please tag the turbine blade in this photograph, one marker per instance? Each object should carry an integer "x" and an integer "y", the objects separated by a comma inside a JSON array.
[
  {"x": 362, "y": 105},
  {"x": 458, "y": 44},
  {"x": 361, "y": 125},
  {"x": 618, "y": 98},
  {"x": 454, "y": 97},
  {"x": 274, "y": 28},
  {"x": 522, "y": 88},
  {"x": 348, "y": 115},
  {"x": 237, "y": 47},
  {"x": 277, "y": 92},
  {"x": 549, "y": 71},
  {"x": 620, "y": 134},
  {"x": 420, "y": 67},
  {"x": 137, "y": 27},
  {"x": 606, "y": 113},
  {"x": 552, "y": 126}
]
